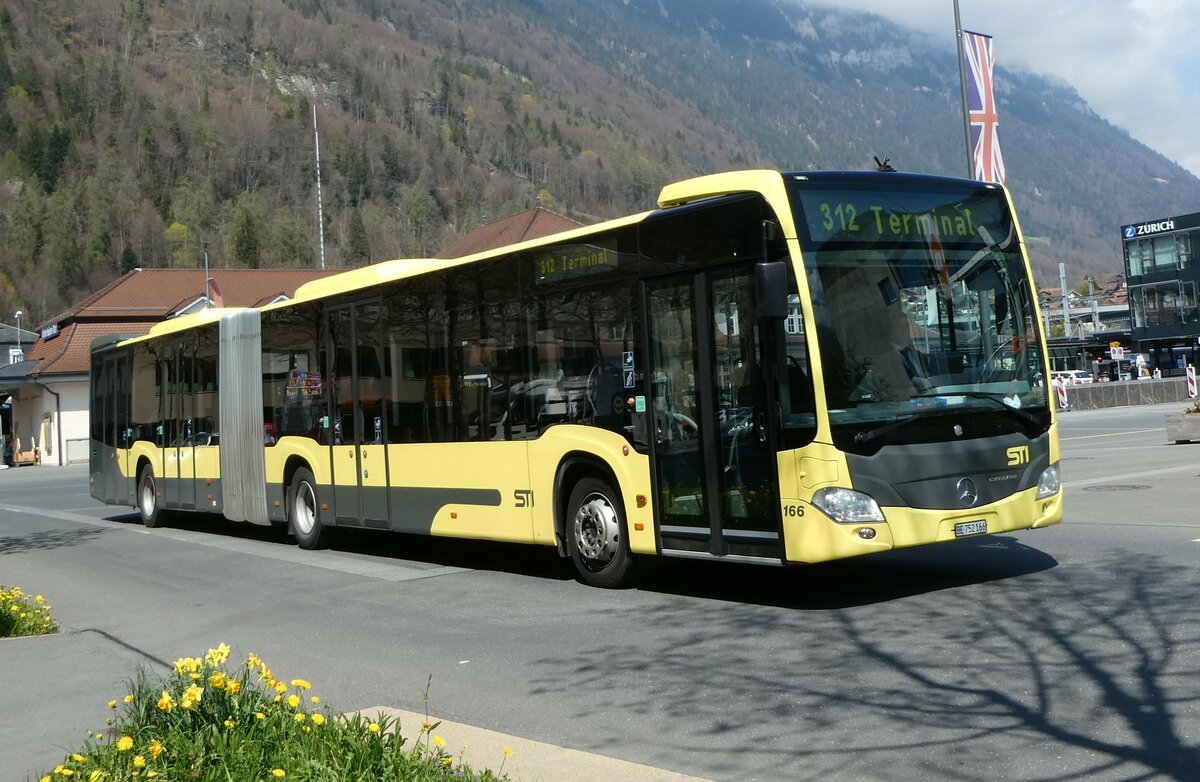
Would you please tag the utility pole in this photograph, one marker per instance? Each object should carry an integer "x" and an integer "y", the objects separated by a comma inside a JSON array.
[
  {"x": 320, "y": 206},
  {"x": 1062, "y": 282}
]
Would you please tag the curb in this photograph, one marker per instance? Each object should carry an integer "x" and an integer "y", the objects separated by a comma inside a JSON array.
[{"x": 531, "y": 761}]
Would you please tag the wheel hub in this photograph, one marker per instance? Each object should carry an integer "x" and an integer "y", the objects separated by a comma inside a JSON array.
[{"x": 596, "y": 529}]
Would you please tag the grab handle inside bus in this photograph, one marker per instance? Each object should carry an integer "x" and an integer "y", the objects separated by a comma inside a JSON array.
[{"x": 770, "y": 286}]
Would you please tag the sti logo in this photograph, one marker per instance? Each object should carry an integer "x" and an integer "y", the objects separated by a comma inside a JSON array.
[{"x": 1146, "y": 229}]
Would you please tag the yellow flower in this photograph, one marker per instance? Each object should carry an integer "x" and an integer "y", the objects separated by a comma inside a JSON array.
[
  {"x": 66, "y": 772},
  {"x": 233, "y": 686},
  {"x": 186, "y": 665},
  {"x": 293, "y": 701},
  {"x": 447, "y": 761},
  {"x": 301, "y": 684},
  {"x": 373, "y": 727},
  {"x": 156, "y": 748},
  {"x": 508, "y": 752},
  {"x": 39, "y": 600},
  {"x": 96, "y": 776},
  {"x": 426, "y": 727},
  {"x": 218, "y": 656},
  {"x": 112, "y": 704},
  {"x": 229, "y": 723},
  {"x": 166, "y": 702},
  {"x": 258, "y": 715},
  {"x": 139, "y": 761},
  {"x": 279, "y": 773},
  {"x": 318, "y": 719},
  {"x": 78, "y": 758},
  {"x": 299, "y": 716},
  {"x": 191, "y": 697},
  {"x": 129, "y": 698},
  {"x": 99, "y": 736},
  {"x": 278, "y": 699},
  {"x": 439, "y": 741},
  {"x": 217, "y": 679},
  {"x": 315, "y": 699},
  {"x": 124, "y": 744},
  {"x": 151, "y": 774},
  {"x": 280, "y": 688}
]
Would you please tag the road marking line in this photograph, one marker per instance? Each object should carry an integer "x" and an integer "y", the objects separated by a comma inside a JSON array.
[
  {"x": 386, "y": 570},
  {"x": 1129, "y": 475},
  {"x": 1112, "y": 434}
]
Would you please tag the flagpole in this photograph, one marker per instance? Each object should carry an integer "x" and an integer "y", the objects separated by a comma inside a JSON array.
[{"x": 962, "y": 83}]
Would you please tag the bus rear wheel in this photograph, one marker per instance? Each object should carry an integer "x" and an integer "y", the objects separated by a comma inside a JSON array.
[
  {"x": 596, "y": 536},
  {"x": 304, "y": 518},
  {"x": 147, "y": 499}
]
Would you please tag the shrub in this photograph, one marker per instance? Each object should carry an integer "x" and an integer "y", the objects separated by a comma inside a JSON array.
[
  {"x": 208, "y": 723},
  {"x": 21, "y": 614}
]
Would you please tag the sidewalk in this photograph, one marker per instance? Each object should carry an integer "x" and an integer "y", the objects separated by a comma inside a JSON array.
[{"x": 54, "y": 691}]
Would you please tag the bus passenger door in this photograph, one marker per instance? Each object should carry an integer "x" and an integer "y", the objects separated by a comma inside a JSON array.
[
  {"x": 713, "y": 433},
  {"x": 356, "y": 383}
]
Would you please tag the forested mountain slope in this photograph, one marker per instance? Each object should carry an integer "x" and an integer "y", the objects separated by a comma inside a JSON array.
[{"x": 142, "y": 132}]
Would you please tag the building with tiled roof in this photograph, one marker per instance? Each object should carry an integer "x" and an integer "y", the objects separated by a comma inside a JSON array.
[
  {"x": 49, "y": 389},
  {"x": 521, "y": 227}
]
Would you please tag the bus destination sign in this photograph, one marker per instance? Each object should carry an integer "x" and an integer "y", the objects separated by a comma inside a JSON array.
[
  {"x": 851, "y": 216},
  {"x": 569, "y": 261}
]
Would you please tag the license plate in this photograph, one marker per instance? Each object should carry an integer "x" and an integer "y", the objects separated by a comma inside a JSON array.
[{"x": 970, "y": 528}]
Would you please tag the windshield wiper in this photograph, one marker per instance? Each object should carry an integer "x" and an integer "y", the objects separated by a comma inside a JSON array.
[
  {"x": 880, "y": 431},
  {"x": 1016, "y": 412}
]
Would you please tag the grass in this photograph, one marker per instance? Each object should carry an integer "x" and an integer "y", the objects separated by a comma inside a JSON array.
[
  {"x": 210, "y": 721},
  {"x": 22, "y": 615}
]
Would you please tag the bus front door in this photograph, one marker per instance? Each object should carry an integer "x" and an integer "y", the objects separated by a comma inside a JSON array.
[
  {"x": 359, "y": 455},
  {"x": 709, "y": 397}
]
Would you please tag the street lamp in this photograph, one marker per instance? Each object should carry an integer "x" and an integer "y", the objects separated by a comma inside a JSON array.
[{"x": 19, "y": 314}]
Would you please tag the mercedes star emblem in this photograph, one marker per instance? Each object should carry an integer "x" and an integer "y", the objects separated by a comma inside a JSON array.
[{"x": 968, "y": 492}]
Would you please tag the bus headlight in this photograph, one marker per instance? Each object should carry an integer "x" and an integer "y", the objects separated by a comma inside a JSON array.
[
  {"x": 847, "y": 506},
  {"x": 1049, "y": 484}
]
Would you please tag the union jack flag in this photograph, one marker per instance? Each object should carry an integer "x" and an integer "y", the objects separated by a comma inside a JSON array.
[{"x": 981, "y": 107}]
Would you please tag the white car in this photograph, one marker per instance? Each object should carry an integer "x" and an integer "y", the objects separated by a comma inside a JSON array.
[{"x": 1074, "y": 377}]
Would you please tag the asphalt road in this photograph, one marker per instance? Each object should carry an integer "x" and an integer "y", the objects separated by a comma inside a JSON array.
[{"x": 1066, "y": 653}]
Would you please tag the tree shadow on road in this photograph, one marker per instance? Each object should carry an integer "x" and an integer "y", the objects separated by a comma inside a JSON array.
[
  {"x": 48, "y": 539},
  {"x": 1072, "y": 672}
]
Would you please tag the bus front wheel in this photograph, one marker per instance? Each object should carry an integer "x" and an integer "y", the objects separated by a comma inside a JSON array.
[
  {"x": 147, "y": 496},
  {"x": 304, "y": 517},
  {"x": 596, "y": 536}
]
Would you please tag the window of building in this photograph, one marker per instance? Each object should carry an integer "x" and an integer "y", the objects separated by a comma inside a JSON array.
[{"x": 1164, "y": 253}]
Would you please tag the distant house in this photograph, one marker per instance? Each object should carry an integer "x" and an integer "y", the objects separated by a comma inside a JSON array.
[{"x": 48, "y": 391}]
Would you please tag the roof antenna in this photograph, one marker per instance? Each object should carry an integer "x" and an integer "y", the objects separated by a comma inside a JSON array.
[{"x": 884, "y": 165}]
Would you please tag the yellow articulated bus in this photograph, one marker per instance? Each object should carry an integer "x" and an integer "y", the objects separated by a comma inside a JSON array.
[{"x": 770, "y": 367}]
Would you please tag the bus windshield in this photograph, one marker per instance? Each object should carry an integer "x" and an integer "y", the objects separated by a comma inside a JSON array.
[{"x": 923, "y": 308}]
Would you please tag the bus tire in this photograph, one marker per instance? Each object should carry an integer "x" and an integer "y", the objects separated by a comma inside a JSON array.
[
  {"x": 596, "y": 535},
  {"x": 303, "y": 512},
  {"x": 149, "y": 508}
]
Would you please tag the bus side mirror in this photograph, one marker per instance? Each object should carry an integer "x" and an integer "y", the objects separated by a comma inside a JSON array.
[{"x": 770, "y": 288}]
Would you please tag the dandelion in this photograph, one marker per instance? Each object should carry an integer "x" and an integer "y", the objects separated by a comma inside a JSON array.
[
  {"x": 78, "y": 758},
  {"x": 129, "y": 698},
  {"x": 112, "y": 704},
  {"x": 279, "y": 773},
  {"x": 39, "y": 600},
  {"x": 229, "y": 723},
  {"x": 315, "y": 700},
  {"x": 426, "y": 727},
  {"x": 124, "y": 744},
  {"x": 373, "y": 727},
  {"x": 99, "y": 737},
  {"x": 258, "y": 715},
  {"x": 139, "y": 761},
  {"x": 300, "y": 716},
  {"x": 508, "y": 752},
  {"x": 439, "y": 741},
  {"x": 293, "y": 701},
  {"x": 301, "y": 684},
  {"x": 66, "y": 772},
  {"x": 151, "y": 774},
  {"x": 318, "y": 719},
  {"x": 280, "y": 688},
  {"x": 447, "y": 761}
]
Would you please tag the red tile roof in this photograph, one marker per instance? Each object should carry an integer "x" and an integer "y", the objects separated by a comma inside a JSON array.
[
  {"x": 523, "y": 226},
  {"x": 138, "y": 300}
]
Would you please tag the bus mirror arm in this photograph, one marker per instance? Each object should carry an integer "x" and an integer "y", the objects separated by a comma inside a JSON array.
[{"x": 770, "y": 287}]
